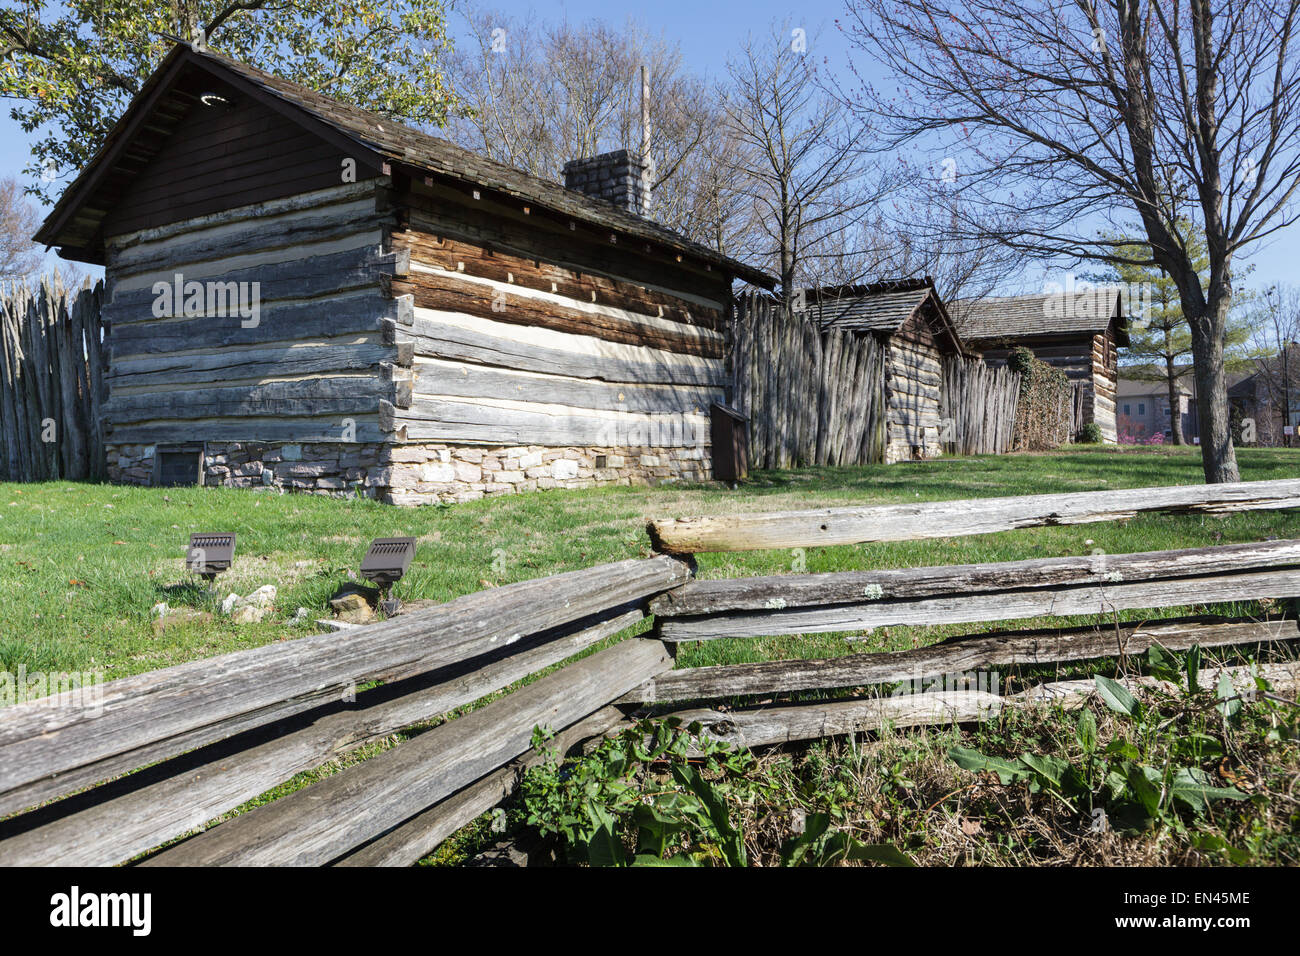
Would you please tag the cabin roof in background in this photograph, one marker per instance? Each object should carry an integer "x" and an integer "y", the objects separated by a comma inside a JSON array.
[
  {"x": 879, "y": 307},
  {"x": 1019, "y": 316},
  {"x": 377, "y": 139}
]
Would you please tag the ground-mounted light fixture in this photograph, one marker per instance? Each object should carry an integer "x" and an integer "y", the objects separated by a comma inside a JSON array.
[
  {"x": 384, "y": 564},
  {"x": 210, "y": 553}
]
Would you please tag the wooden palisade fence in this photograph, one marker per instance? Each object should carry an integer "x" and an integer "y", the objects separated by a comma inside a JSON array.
[
  {"x": 812, "y": 397},
  {"x": 819, "y": 397},
  {"x": 213, "y": 734},
  {"x": 978, "y": 406},
  {"x": 51, "y": 383}
]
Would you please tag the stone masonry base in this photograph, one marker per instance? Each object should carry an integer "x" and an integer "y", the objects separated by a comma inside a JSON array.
[{"x": 418, "y": 474}]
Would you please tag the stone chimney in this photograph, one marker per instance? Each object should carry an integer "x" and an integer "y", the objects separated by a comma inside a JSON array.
[{"x": 617, "y": 177}]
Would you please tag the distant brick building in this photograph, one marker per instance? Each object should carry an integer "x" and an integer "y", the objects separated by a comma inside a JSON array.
[
  {"x": 1142, "y": 408},
  {"x": 1257, "y": 396}
]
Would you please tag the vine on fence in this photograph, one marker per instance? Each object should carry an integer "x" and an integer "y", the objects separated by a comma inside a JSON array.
[{"x": 1044, "y": 412}]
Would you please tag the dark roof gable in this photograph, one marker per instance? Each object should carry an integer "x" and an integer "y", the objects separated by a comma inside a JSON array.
[{"x": 376, "y": 141}]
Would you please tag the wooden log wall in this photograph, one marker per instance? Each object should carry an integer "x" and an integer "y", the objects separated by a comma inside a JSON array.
[
  {"x": 978, "y": 406},
  {"x": 318, "y": 353},
  {"x": 1090, "y": 362},
  {"x": 913, "y": 388},
  {"x": 811, "y": 398},
  {"x": 51, "y": 383},
  {"x": 1105, "y": 374},
  {"x": 525, "y": 335}
]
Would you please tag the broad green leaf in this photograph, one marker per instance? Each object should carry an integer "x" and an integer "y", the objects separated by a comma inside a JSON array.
[
  {"x": 880, "y": 853},
  {"x": 1193, "y": 787},
  {"x": 733, "y": 847},
  {"x": 1194, "y": 669},
  {"x": 647, "y": 859},
  {"x": 973, "y": 760},
  {"x": 1144, "y": 785},
  {"x": 1121, "y": 747},
  {"x": 1086, "y": 730},
  {"x": 1116, "y": 696},
  {"x": 604, "y": 849},
  {"x": 1163, "y": 663},
  {"x": 1051, "y": 769},
  {"x": 1226, "y": 693},
  {"x": 1197, "y": 746}
]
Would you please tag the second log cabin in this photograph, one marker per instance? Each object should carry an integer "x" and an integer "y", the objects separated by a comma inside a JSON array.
[
  {"x": 307, "y": 295},
  {"x": 912, "y": 324},
  {"x": 1079, "y": 334}
]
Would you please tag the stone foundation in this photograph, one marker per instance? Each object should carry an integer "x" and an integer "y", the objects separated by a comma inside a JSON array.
[{"x": 419, "y": 474}]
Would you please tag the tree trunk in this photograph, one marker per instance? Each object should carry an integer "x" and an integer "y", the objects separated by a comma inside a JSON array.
[
  {"x": 1218, "y": 456},
  {"x": 1175, "y": 400}
]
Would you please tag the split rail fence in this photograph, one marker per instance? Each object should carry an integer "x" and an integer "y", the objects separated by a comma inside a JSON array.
[
  {"x": 213, "y": 734},
  {"x": 51, "y": 383}
]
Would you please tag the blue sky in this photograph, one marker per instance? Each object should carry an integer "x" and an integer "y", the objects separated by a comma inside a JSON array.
[{"x": 707, "y": 31}]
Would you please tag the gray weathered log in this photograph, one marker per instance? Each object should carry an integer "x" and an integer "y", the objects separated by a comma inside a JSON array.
[
  {"x": 419, "y": 836},
  {"x": 447, "y": 340},
  {"x": 435, "y": 419},
  {"x": 467, "y": 380},
  {"x": 351, "y": 315},
  {"x": 994, "y": 606},
  {"x": 44, "y": 738},
  {"x": 954, "y": 656},
  {"x": 951, "y": 519},
  {"x": 780, "y": 725},
  {"x": 118, "y": 827},
  {"x": 848, "y": 587},
  {"x": 327, "y": 819}
]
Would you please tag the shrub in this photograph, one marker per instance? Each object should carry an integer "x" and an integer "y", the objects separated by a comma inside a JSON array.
[
  {"x": 1044, "y": 410},
  {"x": 1090, "y": 434}
]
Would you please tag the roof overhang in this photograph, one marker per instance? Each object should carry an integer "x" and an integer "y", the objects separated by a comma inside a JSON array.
[{"x": 75, "y": 222}]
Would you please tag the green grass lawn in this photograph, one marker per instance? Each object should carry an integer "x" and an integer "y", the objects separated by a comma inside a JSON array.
[{"x": 81, "y": 565}]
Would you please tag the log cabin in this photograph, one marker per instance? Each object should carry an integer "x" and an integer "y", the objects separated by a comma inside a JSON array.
[
  {"x": 1080, "y": 334},
  {"x": 915, "y": 332},
  {"x": 307, "y": 295}
]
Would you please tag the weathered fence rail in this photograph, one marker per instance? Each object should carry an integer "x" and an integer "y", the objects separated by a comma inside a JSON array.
[
  {"x": 51, "y": 383},
  {"x": 952, "y": 519},
  {"x": 780, "y": 725},
  {"x": 159, "y": 756}
]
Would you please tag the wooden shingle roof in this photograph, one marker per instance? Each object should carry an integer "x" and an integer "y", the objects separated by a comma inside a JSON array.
[
  {"x": 1049, "y": 313},
  {"x": 378, "y": 141},
  {"x": 880, "y": 307}
]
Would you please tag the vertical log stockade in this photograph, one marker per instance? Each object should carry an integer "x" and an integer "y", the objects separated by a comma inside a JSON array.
[
  {"x": 838, "y": 397},
  {"x": 812, "y": 398},
  {"x": 213, "y": 734},
  {"x": 51, "y": 382}
]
